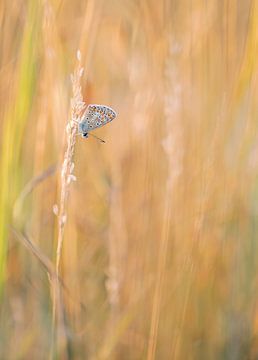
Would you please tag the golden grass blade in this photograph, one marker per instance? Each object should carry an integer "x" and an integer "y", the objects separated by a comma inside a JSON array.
[{"x": 13, "y": 128}]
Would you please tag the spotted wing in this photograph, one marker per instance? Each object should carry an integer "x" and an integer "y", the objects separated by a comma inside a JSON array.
[{"x": 96, "y": 116}]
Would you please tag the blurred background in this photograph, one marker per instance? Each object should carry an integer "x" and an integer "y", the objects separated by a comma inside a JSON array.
[{"x": 160, "y": 248}]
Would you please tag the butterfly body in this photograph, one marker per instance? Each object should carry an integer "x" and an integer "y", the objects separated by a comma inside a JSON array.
[{"x": 94, "y": 117}]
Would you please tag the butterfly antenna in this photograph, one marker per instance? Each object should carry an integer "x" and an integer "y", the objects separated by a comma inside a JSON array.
[{"x": 103, "y": 141}]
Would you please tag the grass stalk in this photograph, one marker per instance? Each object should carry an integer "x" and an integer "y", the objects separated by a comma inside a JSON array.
[{"x": 76, "y": 108}]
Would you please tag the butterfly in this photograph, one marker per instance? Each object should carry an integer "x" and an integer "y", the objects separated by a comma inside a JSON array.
[{"x": 94, "y": 117}]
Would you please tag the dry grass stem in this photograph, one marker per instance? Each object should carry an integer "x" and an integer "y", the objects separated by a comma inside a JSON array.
[{"x": 67, "y": 176}]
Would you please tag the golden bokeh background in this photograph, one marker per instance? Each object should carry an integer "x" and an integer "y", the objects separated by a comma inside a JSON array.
[{"x": 160, "y": 247}]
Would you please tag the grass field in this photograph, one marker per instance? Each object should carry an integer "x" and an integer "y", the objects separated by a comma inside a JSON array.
[{"x": 159, "y": 232}]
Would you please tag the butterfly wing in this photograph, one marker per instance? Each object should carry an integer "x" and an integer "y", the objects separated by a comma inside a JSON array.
[{"x": 96, "y": 116}]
